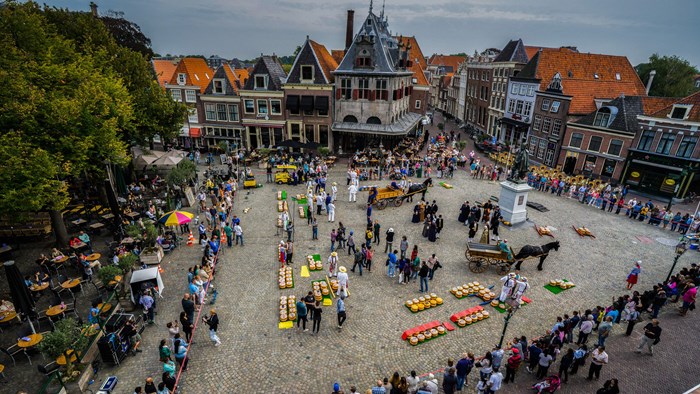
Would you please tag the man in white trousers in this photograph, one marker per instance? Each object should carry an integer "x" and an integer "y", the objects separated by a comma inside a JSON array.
[
  {"x": 353, "y": 192},
  {"x": 331, "y": 212}
]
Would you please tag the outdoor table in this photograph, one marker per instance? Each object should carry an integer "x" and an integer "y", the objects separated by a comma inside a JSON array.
[
  {"x": 61, "y": 259},
  {"x": 104, "y": 307},
  {"x": 90, "y": 330},
  {"x": 93, "y": 257},
  {"x": 70, "y": 283},
  {"x": 132, "y": 214},
  {"x": 108, "y": 216},
  {"x": 79, "y": 246},
  {"x": 78, "y": 222},
  {"x": 38, "y": 288},
  {"x": 96, "y": 226},
  {"x": 55, "y": 310},
  {"x": 34, "y": 340},
  {"x": 61, "y": 360},
  {"x": 8, "y": 316},
  {"x": 127, "y": 241},
  {"x": 116, "y": 280}
]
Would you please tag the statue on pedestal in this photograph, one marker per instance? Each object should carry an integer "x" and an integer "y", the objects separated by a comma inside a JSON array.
[{"x": 520, "y": 165}]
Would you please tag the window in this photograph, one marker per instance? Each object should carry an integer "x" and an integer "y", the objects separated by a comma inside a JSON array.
[
  {"x": 523, "y": 90},
  {"x": 533, "y": 145},
  {"x": 262, "y": 106},
  {"x": 209, "y": 111},
  {"x": 608, "y": 168},
  {"x": 615, "y": 147},
  {"x": 364, "y": 61},
  {"x": 275, "y": 107},
  {"x": 646, "y": 139},
  {"x": 594, "y": 144},
  {"x": 602, "y": 117},
  {"x": 307, "y": 73},
  {"x": 218, "y": 86},
  {"x": 382, "y": 91},
  {"x": 346, "y": 88},
  {"x": 309, "y": 133},
  {"x": 511, "y": 106},
  {"x": 261, "y": 82},
  {"x": 190, "y": 96},
  {"x": 249, "y": 106},
  {"x": 531, "y": 91},
  {"x": 418, "y": 104},
  {"x": 514, "y": 88},
  {"x": 555, "y": 107},
  {"x": 546, "y": 124},
  {"x": 687, "y": 146},
  {"x": 176, "y": 94},
  {"x": 323, "y": 135},
  {"x": 363, "y": 86},
  {"x": 519, "y": 107},
  {"x": 181, "y": 78},
  {"x": 576, "y": 139},
  {"x": 538, "y": 122},
  {"x": 678, "y": 112},
  {"x": 543, "y": 147},
  {"x": 528, "y": 108},
  {"x": 545, "y": 105},
  {"x": 556, "y": 127},
  {"x": 664, "y": 146},
  {"x": 221, "y": 113},
  {"x": 192, "y": 116},
  {"x": 233, "y": 113}
]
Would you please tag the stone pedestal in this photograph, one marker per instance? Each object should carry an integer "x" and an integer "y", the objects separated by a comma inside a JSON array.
[{"x": 513, "y": 201}]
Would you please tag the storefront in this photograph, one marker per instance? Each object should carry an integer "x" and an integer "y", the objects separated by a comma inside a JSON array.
[{"x": 661, "y": 176}]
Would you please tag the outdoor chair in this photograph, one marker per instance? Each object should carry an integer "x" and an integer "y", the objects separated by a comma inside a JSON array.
[
  {"x": 49, "y": 368},
  {"x": 14, "y": 350}
]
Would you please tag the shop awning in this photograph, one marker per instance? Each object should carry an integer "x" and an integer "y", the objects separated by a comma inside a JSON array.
[
  {"x": 307, "y": 103},
  {"x": 321, "y": 103},
  {"x": 195, "y": 132},
  {"x": 293, "y": 103}
]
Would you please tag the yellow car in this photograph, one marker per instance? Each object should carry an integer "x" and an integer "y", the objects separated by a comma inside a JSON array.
[
  {"x": 249, "y": 181},
  {"x": 283, "y": 175}
]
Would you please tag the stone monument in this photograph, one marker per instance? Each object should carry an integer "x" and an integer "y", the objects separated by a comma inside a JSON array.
[{"x": 514, "y": 190}]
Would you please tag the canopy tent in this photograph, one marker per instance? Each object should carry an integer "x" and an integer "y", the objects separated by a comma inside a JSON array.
[
  {"x": 148, "y": 277},
  {"x": 167, "y": 161}
]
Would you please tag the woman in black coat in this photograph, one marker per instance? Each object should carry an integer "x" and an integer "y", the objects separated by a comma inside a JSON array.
[{"x": 464, "y": 213}]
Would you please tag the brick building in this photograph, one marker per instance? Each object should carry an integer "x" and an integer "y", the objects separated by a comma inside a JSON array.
[{"x": 262, "y": 100}]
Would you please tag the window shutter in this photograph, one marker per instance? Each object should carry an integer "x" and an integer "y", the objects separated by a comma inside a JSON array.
[
  {"x": 372, "y": 95},
  {"x": 394, "y": 96},
  {"x": 337, "y": 94},
  {"x": 355, "y": 93},
  {"x": 358, "y": 62}
]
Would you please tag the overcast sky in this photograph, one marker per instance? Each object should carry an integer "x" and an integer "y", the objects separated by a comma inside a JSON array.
[{"x": 244, "y": 29}]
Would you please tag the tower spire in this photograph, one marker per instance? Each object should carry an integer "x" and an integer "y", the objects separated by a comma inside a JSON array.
[
  {"x": 370, "y": 5},
  {"x": 381, "y": 16}
]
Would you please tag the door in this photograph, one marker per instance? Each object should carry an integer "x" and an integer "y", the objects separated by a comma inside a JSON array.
[{"x": 569, "y": 165}]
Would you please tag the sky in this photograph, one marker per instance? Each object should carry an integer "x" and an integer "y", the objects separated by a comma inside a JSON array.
[{"x": 245, "y": 29}]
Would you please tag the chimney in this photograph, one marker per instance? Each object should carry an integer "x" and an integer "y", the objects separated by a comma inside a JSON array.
[
  {"x": 349, "y": 29},
  {"x": 93, "y": 9},
  {"x": 652, "y": 73}
]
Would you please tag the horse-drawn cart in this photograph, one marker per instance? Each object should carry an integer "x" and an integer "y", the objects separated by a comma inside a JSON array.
[
  {"x": 395, "y": 195},
  {"x": 480, "y": 256}
]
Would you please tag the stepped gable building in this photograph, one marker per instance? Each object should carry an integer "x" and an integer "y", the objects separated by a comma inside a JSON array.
[
  {"x": 308, "y": 94},
  {"x": 374, "y": 89},
  {"x": 262, "y": 100},
  {"x": 220, "y": 103}
]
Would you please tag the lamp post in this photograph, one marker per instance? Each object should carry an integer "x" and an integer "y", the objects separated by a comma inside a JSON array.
[
  {"x": 513, "y": 306},
  {"x": 680, "y": 249}
]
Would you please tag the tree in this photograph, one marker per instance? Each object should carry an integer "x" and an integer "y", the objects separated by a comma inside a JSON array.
[
  {"x": 128, "y": 34},
  {"x": 674, "y": 75},
  {"x": 65, "y": 337}
]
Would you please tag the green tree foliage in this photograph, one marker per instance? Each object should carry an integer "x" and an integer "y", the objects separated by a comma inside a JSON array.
[
  {"x": 182, "y": 173},
  {"x": 674, "y": 75},
  {"x": 128, "y": 34},
  {"x": 66, "y": 336}
]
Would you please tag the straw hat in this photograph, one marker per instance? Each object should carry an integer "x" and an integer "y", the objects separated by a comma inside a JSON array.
[
  {"x": 334, "y": 254},
  {"x": 335, "y": 183},
  {"x": 342, "y": 269}
]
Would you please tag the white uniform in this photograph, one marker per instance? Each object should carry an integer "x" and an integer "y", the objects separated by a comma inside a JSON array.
[
  {"x": 353, "y": 192},
  {"x": 334, "y": 193},
  {"x": 520, "y": 289},
  {"x": 331, "y": 212},
  {"x": 342, "y": 283},
  {"x": 508, "y": 284},
  {"x": 353, "y": 176},
  {"x": 332, "y": 265}
]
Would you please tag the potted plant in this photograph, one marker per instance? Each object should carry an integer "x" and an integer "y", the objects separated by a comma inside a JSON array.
[
  {"x": 62, "y": 341},
  {"x": 109, "y": 273},
  {"x": 323, "y": 151}
]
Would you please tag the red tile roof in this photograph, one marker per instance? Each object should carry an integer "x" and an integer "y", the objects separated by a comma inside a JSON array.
[
  {"x": 196, "y": 70},
  {"x": 242, "y": 74},
  {"x": 444, "y": 60},
  {"x": 651, "y": 105},
  {"x": 164, "y": 70},
  {"x": 338, "y": 55},
  {"x": 588, "y": 76},
  {"x": 415, "y": 55},
  {"x": 325, "y": 60},
  {"x": 693, "y": 99},
  {"x": 532, "y": 50},
  {"x": 232, "y": 77}
]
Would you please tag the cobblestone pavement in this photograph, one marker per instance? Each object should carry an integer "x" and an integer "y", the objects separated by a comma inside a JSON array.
[{"x": 258, "y": 357}]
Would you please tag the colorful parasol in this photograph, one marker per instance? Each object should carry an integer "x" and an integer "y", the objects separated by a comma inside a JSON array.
[{"x": 176, "y": 218}]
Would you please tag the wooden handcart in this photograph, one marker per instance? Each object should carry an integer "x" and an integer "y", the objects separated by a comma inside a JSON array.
[{"x": 480, "y": 256}]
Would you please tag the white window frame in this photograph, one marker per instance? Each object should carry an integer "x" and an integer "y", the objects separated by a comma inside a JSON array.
[
  {"x": 511, "y": 106},
  {"x": 527, "y": 110},
  {"x": 531, "y": 91},
  {"x": 555, "y": 107},
  {"x": 191, "y": 95},
  {"x": 418, "y": 104},
  {"x": 209, "y": 109},
  {"x": 546, "y": 124},
  {"x": 533, "y": 145},
  {"x": 255, "y": 81},
  {"x": 514, "y": 88},
  {"x": 176, "y": 94},
  {"x": 235, "y": 113},
  {"x": 266, "y": 106},
  {"x": 181, "y": 78},
  {"x": 537, "y": 123},
  {"x": 523, "y": 90},
  {"x": 280, "y": 106},
  {"x": 245, "y": 106},
  {"x": 301, "y": 73},
  {"x": 192, "y": 115},
  {"x": 622, "y": 144},
  {"x": 221, "y": 109},
  {"x": 542, "y": 148},
  {"x": 571, "y": 138},
  {"x": 556, "y": 127},
  {"x": 590, "y": 141},
  {"x": 545, "y": 104},
  {"x": 222, "y": 87},
  {"x": 519, "y": 107}
]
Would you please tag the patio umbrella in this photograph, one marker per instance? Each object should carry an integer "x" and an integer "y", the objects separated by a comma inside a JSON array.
[
  {"x": 290, "y": 144},
  {"x": 176, "y": 218},
  {"x": 24, "y": 304},
  {"x": 310, "y": 145},
  {"x": 167, "y": 161}
]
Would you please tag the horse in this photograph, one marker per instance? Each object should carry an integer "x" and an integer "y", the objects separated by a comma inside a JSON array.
[
  {"x": 535, "y": 251},
  {"x": 420, "y": 187}
]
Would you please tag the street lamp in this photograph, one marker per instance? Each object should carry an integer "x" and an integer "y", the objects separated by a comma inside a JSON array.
[
  {"x": 513, "y": 306},
  {"x": 680, "y": 249}
]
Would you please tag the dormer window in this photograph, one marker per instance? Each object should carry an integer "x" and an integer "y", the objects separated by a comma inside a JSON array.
[
  {"x": 679, "y": 112},
  {"x": 181, "y": 78},
  {"x": 219, "y": 86},
  {"x": 261, "y": 82},
  {"x": 604, "y": 116},
  {"x": 307, "y": 73}
]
